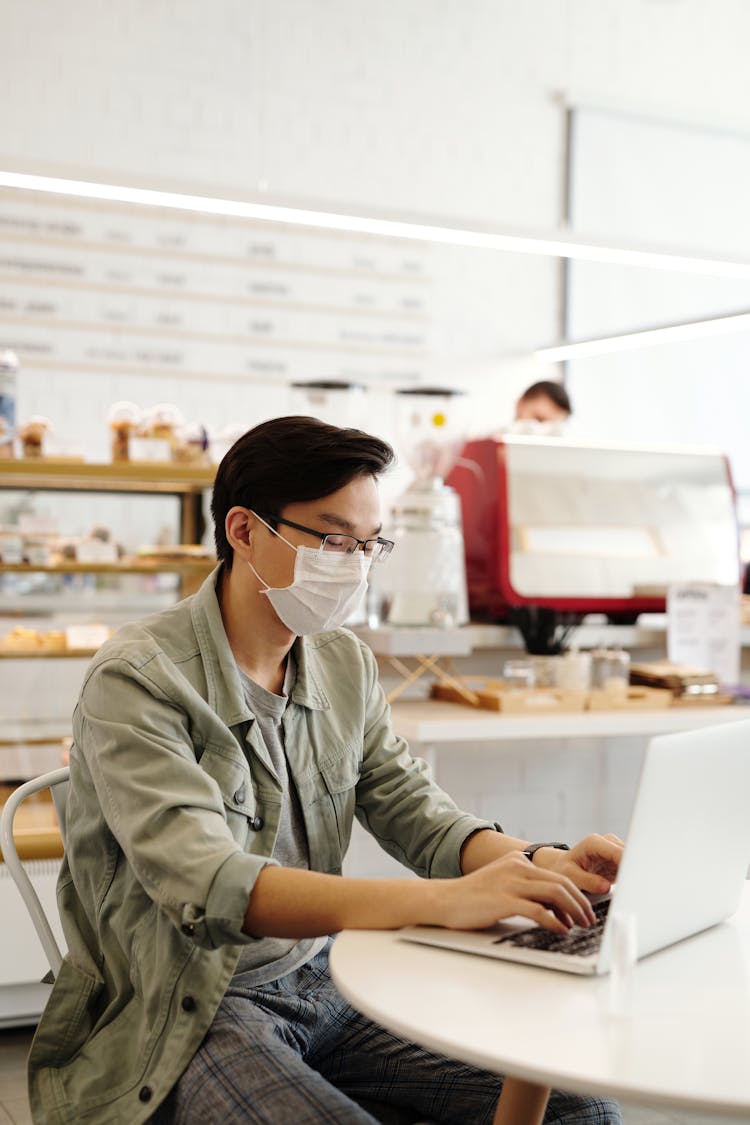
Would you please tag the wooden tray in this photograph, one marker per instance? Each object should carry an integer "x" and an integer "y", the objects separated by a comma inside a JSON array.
[
  {"x": 717, "y": 699},
  {"x": 537, "y": 701},
  {"x": 494, "y": 695},
  {"x": 634, "y": 699}
]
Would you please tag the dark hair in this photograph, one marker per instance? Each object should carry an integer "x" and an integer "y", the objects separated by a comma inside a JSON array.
[
  {"x": 286, "y": 460},
  {"x": 554, "y": 391}
]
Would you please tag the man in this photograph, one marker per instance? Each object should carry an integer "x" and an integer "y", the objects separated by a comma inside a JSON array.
[
  {"x": 545, "y": 403},
  {"x": 221, "y": 749}
]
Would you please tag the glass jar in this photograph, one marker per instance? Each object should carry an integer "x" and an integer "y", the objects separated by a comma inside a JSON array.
[
  {"x": 573, "y": 671},
  {"x": 336, "y": 401},
  {"x": 424, "y": 580},
  {"x": 519, "y": 674},
  {"x": 611, "y": 671}
]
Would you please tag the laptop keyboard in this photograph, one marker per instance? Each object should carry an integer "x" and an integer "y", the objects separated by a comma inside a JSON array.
[{"x": 580, "y": 942}]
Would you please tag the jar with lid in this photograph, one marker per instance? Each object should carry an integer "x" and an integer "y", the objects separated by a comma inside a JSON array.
[
  {"x": 424, "y": 580},
  {"x": 336, "y": 401}
]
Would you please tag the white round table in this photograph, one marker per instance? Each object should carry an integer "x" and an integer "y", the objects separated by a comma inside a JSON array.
[{"x": 683, "y": 1041}]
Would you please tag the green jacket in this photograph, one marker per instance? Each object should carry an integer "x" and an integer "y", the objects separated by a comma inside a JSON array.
[{"x": 172, "y": 812}]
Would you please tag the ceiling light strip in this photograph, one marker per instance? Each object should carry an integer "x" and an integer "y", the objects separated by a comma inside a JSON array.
[
  {"x": 628, "y": 341},
  {"x": 546, "y": 245}
]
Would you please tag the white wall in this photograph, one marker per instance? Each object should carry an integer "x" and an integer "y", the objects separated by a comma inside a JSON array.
[{"x": 438, "y": 107}]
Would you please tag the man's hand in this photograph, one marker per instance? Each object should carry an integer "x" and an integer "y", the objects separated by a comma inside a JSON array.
[
  {"x": 509, "y": 886},
  {"x": 292, "y": 902},
  {"x": 592, "y": 865}
]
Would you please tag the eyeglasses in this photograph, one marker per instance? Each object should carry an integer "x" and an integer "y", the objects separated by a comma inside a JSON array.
[{"x": 375, "y": 549}]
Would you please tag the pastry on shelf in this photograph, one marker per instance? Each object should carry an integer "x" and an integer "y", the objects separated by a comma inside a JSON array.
[
  {"x": 32, "y": 435},
  {"x": 155, "y": 436},
  {"x": 191, "y": 445},
  {"x": 124, "y": 419},
  {"x": 65, "y": 550},
  {"x": 75, "y": 638},
  {"x": 21, "y": 639},
  {"x": 53, "y": 640},
  {"x": 86, "y": 638},
  {"x": 161, "y": 421}
]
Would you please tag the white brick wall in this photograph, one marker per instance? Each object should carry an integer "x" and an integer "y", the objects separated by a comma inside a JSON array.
[{"x": 431, "y": 106}]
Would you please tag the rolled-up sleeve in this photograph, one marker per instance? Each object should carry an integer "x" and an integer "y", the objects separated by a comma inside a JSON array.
[{"x": 220, "y": 923}]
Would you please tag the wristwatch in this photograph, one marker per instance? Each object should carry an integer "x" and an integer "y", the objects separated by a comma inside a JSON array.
[{"x": 529, "y": 852}]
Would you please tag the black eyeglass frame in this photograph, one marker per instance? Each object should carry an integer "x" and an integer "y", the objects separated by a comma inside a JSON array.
[{"x": 386, "y": 545}]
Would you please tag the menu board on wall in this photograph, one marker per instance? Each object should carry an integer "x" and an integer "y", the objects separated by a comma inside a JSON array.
[{"x": 100, "y": 288}]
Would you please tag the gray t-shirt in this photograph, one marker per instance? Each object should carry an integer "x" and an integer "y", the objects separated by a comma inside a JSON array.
[{"x": 272, "y": 958}]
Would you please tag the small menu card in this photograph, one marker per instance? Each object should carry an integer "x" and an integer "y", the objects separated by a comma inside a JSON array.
[{"x": 703, "y": 628}]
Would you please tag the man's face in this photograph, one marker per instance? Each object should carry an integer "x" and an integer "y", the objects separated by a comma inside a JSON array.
[
  {"x": 352, "y": 510},
  {"x": 540, "y": 408}
]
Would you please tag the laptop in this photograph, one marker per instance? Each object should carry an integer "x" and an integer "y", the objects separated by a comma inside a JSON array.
[{"x": 683, "y": 869}]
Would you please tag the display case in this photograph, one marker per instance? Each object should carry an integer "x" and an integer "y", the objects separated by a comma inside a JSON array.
[
  {"x": 40, "y": 672},
  {"x": 187, "y": 482},
  {"x": 188, "y": 561},
  {"x": 584, "y": 527}
]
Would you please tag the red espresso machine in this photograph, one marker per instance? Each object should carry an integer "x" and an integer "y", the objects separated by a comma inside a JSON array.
[{"x": 581, "y": 527}]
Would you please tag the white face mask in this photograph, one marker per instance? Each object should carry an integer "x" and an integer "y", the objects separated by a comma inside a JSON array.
[
  {"x": 327, "y": 588},
  {"x": 532, "y": 428}
]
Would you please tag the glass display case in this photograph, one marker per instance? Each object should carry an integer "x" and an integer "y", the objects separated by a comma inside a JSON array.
[{"x": 586, "y": 528}]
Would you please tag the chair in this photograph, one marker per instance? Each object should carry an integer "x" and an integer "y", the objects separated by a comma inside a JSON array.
[
  {"x": 520, "y": 1100},
  {"x": 57, "y": 782}
]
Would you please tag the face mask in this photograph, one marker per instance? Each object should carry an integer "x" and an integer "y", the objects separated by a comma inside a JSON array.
[
  {"x": 531, "y": 428},
  {"x": 327, "y": 588}
]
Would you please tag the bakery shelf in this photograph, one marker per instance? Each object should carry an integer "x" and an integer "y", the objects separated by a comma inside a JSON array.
[
  {"x": 29, "y": 741},
  {"x": 126, "y": 566},
  {"x": 123, "y": 476},
  {"x": 47, "y": 654},
  {"x": 187, "y": 482}
]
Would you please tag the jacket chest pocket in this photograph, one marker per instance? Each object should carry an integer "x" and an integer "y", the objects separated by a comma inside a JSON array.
[
  {"x": 329, "y": 798},
  {"x": 233, "y": 780}
]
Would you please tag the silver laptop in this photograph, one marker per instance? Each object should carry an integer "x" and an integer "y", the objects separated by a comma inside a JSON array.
[{"x": 685, "y": 861}]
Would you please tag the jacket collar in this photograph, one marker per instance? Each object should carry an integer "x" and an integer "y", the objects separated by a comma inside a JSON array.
[{"x": 225, "y": 694}]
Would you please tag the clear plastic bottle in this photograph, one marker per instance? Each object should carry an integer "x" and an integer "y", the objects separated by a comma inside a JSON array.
[{"x": 8, "y": 371}]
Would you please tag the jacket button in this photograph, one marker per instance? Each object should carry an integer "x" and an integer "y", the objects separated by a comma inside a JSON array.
[
  {"x": 257, "y": 823},
  {"x": 188, "y": 929},
  {"x": 188, "y": 1004},
  {"x": 240, "y": 795},
  {"x": 144, "y": 1094}
]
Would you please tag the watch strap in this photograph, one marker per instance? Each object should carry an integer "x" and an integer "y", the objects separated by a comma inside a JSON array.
[{"x": 532, "y": 848}]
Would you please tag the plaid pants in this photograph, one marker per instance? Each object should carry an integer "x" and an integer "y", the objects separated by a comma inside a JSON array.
[{"x": 293, "y": 1052}]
